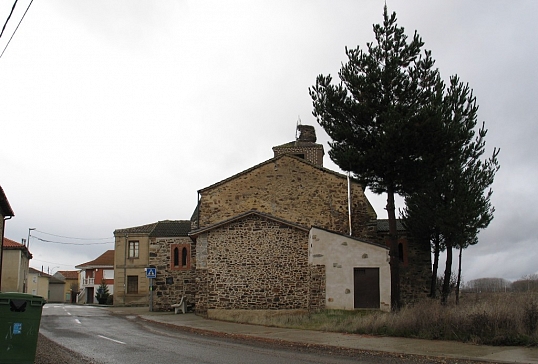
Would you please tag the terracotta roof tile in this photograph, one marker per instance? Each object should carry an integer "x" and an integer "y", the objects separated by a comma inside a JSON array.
[
  {"x": 105, "y": 259},
  {"x": 9, "y": 244},
  {"x": 69, "y": 274}
]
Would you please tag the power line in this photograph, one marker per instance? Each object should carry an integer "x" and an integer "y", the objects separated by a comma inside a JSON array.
[
  {"x": 20, "y": 21},
  {"x": 44, "y": 261},
  {"x": 8, "y": 17},
  {"x": 64, "y": 243},
  {"x": 70, "y": 237}
]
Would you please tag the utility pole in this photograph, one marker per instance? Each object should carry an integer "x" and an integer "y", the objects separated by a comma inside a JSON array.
[{"x": 28, "y": 241}]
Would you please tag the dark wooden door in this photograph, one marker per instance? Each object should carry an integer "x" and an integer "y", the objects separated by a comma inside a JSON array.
[
  {"x": 90, "y": 293},
  {"x": 366, "y": 287}
]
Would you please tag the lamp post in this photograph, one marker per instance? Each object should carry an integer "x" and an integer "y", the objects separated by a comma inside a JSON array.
[{"x": 28, "y": 243}]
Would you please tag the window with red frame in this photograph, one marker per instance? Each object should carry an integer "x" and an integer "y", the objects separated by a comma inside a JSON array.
[{"x": 180, "y": 256}]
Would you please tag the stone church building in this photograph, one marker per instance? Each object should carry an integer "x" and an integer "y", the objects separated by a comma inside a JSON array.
[{"x": 285, "y": 234}]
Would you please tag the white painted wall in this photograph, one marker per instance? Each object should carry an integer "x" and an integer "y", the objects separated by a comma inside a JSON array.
[{"x": 340, "y": 254}]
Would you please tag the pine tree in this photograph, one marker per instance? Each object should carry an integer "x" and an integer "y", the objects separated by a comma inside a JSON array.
[
  {"x": 102, "y": 293},
  {"x": 455, "y": 203},
  {"x": 382, "y": 119}
]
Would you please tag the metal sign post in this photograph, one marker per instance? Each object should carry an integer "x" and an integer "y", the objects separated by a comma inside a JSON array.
[
  {"x": 151, "y": 295},
  {"x": 151, "y": 273}
]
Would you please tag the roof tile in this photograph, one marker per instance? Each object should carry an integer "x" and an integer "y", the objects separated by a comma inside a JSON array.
[
  {"x": 69, "y": 274},
  {"x": 105, "y": 259}
]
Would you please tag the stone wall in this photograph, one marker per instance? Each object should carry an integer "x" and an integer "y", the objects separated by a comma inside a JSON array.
[
  {"x": 171, "y": 283},
  {"x": 257, "y": 263},
  {"x": 317, "y": 288},
  {"x": 200, "y": 307},
  {"x": 311, "y": 153},
  {"x": 293, "y": 190},
  {"x": 415, "y": 276},
  {"x": 415, "y": 269}
]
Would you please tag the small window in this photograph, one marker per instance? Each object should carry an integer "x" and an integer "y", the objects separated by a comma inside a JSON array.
[
  {"x": 133, "y": 249},
  {"x": 176, "y": 257},
  {"x": 184, "y": 257},
  {"x": 132, "y": 284},
  {"x": 180, "y": 259}
]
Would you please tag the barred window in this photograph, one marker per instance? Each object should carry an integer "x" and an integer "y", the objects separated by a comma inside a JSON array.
[{"x": 132, "y": 284}]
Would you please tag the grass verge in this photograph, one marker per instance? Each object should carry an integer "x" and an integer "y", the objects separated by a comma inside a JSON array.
[{"x": 490, "y": 319}]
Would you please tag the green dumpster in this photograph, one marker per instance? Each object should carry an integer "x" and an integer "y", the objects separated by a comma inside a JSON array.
[{"x": 20, "y": 315}]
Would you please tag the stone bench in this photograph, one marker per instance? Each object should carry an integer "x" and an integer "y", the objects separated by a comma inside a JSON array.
[{"x": 182, "y": 305}]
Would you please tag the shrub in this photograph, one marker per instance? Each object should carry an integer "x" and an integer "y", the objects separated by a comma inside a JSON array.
[
  {"x": 530, "y": 316},
  {"x": 102, "y": 293}
]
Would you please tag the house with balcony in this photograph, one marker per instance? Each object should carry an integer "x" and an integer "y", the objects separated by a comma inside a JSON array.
[{"x": 93, "y": 273}]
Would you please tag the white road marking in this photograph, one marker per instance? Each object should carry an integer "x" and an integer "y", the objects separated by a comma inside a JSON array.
[
  {"x": 107, "y": 338},
  {"x": 69, "y": 313}
]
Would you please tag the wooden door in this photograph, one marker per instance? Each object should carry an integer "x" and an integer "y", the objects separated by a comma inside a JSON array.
[{"x": 366, "y": 287}]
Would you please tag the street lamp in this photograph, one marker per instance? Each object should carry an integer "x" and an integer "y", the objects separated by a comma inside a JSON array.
[{"x": 28, "y": 244}]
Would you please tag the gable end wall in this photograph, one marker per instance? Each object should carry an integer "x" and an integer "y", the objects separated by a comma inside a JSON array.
[
  {"x": 294, "y": 191},
  {"x": 256, "y": 263}
]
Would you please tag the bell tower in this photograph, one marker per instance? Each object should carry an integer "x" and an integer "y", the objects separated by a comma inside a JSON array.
[{"x": 304, "y": 146}]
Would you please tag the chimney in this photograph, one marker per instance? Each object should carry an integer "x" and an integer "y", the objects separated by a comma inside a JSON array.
[
  {"x": 304, "y": 146},
  {"x": 307, "y": 133}
]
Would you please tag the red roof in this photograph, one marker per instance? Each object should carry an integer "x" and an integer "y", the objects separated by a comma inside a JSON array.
[
  {"x": 9, "y": 244},
  {"x": 69, "y": 274},
  {"x": 105, "y": 259},
  {"x": 37, "y": 271}
]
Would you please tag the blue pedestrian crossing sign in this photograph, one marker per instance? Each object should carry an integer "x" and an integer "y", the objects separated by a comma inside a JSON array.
[{"x": 151, "y": 272}]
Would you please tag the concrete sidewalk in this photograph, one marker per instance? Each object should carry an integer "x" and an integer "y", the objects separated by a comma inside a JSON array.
[{"x": 442, "y": 349}]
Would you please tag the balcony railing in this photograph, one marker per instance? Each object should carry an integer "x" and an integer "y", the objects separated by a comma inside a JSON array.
[{"x": 88, "y": 281}]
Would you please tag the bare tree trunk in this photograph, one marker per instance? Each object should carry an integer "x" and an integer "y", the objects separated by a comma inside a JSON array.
[
  {"x": 448, "y": 274},
  {"x": 393, "y": 252},
  {"x": 459, "y": 278},
  {"x": 436, "y": 250}
]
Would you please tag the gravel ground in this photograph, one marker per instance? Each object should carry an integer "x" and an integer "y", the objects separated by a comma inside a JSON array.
[{"x": 48, "y": 352}]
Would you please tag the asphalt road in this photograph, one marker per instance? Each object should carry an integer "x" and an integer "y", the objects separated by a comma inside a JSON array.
[{"x": 94, "y": 333}]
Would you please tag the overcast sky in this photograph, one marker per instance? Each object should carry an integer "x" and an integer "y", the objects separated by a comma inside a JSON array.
[{"x": 115, "y": 113}]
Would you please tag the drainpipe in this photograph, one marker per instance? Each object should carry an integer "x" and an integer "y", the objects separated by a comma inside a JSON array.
[
  {"x": 125, "y": 271},
  {"x": 349, "y": 202}
]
